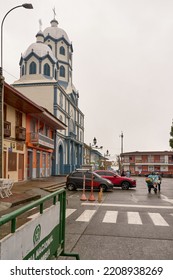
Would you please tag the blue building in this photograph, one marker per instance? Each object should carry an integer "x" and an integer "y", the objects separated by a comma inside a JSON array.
[{"x": 46, "y": 78}]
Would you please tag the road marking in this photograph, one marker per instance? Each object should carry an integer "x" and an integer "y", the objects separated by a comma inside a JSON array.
[
  {"x": 127, "y": 205},
  {"x": 158, "y": 219},
  {"x": 69, "y": 211},
  {"x": 86, "y": 216},
  {"x": 110, "y": 217},
  {"x": 164, "y": 197},
  {"x": 134, "y": 218}
]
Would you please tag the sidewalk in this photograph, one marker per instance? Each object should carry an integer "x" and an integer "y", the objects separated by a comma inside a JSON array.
[{"x": 31, "y": 190}]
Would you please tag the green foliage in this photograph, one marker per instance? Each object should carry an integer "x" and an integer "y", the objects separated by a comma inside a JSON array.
[
  {"x": 171, "y": 133},
  {"x": 171, "y": 143},
  {"x": 171, "y": 139}
]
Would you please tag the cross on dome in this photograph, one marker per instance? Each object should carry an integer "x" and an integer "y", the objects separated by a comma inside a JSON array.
[
  {"x": 40, "y": 24},
  {"x": 54, "y": 12}
]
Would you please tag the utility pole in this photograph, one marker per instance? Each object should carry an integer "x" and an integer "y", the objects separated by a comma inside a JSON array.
[
  {"x": 121, "y": 142},
  {"x": 121, "y": 149}
]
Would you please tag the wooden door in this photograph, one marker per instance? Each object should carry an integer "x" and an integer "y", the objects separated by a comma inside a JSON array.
[{"x": 21, "y": 167}]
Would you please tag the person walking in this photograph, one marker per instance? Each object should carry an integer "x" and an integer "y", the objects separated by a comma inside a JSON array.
[
  {"x": 159, "y": 181},
  {"x": 154, "y": 181}
]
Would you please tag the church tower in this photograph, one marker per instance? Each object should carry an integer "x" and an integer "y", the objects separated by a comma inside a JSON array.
[
  {"x": 46, "y": 78},
  {"x": 57, "y": 39}
]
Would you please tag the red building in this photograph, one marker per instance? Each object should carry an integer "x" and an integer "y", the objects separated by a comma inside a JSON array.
[{"x": 149, "y": 161}]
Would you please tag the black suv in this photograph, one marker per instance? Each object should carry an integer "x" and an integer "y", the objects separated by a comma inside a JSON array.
[{"x": 75, "y": 180}]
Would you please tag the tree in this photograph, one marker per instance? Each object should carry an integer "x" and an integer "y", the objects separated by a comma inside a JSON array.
[{"x": 171, "y": 139}]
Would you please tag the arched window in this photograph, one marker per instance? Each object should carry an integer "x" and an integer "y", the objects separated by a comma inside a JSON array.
[
  {"x": 32, "y": 68},
  {"x": 62, "y": 71},
  {"x": 62, "y": 50},
  {"x": 55, "y": 75},
  {"x": 46, "y": 69},
  {"x": 23, "y": 70}
]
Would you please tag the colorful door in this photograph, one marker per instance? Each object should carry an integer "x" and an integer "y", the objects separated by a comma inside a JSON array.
[
  {"x": 38, "y": 166},
  {"x": 29, "y": 165},
  {"x": 21, "y": 167}
]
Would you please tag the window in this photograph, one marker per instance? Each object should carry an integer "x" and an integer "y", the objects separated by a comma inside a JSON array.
[
  {"x": 101, "y": 173},
  {"x": 32, "y": 68},
  {"x": 88, "y": 175},
  {"x": 47, "y": 131},
  {"x": 62, "y": 50},
  {"x": 62, "y": 71},
  {"x": 77, "y": 174},
  {"x": 61, "y": 100},
  {"x": 5, "y": 112},
  {"x": 18, "y": 118},
  {"x": 23, "y": 70},
  {"x": 46, "y": 69}
]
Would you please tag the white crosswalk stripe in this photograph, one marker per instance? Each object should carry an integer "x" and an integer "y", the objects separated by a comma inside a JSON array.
[
  {"x": 110, "y": 217},
  {"x": 69, "y": 211},
  {"x": 133, "y": 218},
  {"x": 158, "y": 219},
  {"x": 86, "y": 216}
]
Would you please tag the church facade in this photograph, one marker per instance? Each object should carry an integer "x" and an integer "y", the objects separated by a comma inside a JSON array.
[{"x": 46, "y": 78}]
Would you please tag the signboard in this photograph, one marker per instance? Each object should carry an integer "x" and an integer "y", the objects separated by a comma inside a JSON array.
[{"x": 35, "y": 240}]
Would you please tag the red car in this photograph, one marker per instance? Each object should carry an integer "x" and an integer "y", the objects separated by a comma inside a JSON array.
[{"x": 117, "y": 180}]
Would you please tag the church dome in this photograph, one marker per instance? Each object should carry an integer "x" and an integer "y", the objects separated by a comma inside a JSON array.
[
  {"x": 40, "y": 50},
  {"x": 55, "y": 32}
]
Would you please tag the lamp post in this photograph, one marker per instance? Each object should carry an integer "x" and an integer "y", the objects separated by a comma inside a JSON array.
[
  {"x": 26, "y": 6},
  {"x": 106, "y": 155},
  {"x": 94, "y": 146},
  {"x": 121, "y": 149}
]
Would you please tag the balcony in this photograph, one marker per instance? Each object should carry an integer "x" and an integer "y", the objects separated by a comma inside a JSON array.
[
  {"x": 20, "y": 133},
  {"x": 37, "y": 138},
  {"x": 7, "y": 129}
]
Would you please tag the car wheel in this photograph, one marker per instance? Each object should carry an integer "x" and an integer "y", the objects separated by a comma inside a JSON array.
[
  {"x": 125, "y": 185},
  {"x": 103, "y": 187},
  {"x": 71, "y": 187}
]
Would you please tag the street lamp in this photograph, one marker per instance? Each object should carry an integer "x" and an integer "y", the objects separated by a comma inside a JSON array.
[
  {"x": 94, "y": 146},
  {"x": 26, "y": 6},
  {"x": 106, "y": 155}
]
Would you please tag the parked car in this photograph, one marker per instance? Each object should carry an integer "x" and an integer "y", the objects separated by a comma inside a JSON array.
[
  {"x": 117, "y": 180},
  {"x": 75, "y": 181}
]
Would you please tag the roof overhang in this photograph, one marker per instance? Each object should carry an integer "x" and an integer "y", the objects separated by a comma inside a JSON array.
[{"x": 17, "y": 100}]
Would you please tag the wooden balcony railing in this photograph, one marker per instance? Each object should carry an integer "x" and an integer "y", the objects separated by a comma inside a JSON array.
[
  {"x": 7, "y": 129},
  {"x": 20, "y": 133}
]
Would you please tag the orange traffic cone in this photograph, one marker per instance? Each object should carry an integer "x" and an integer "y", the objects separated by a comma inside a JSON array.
[
  {"x": 83, "y": 197},
  {"x": 91, "y": 197}
]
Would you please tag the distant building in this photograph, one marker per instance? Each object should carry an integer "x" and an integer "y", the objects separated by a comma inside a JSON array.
[
  {"x": 149, "y": 161},
  {"x": 46, "y": 78}
]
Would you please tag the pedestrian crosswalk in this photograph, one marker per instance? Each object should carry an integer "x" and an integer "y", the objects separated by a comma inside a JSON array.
[{"x": 131, "y": 218}]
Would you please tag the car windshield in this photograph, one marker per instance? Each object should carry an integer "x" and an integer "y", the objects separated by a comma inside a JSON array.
[{"x": 95, "y": 174}]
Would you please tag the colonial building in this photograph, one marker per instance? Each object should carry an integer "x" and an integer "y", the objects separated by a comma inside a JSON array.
[
  {"x": 146, "y": 162},
  {"x": 46, "y": 78},
  {"x": 28, "y": 144}
]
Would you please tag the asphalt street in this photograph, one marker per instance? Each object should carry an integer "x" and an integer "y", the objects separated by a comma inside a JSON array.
[{"x": 126, "y": 225}]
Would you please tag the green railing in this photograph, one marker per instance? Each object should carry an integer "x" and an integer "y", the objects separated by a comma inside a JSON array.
[{"x": 58, "y": 196}]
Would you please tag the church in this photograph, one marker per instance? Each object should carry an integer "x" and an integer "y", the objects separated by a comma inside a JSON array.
[{"x": 46, "y": 78}]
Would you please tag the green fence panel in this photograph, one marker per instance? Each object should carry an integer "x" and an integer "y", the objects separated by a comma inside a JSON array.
[{"x": 43, "y": 237}]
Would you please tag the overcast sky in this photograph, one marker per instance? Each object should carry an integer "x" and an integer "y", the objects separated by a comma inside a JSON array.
[{"x": 122, "y": 64}]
